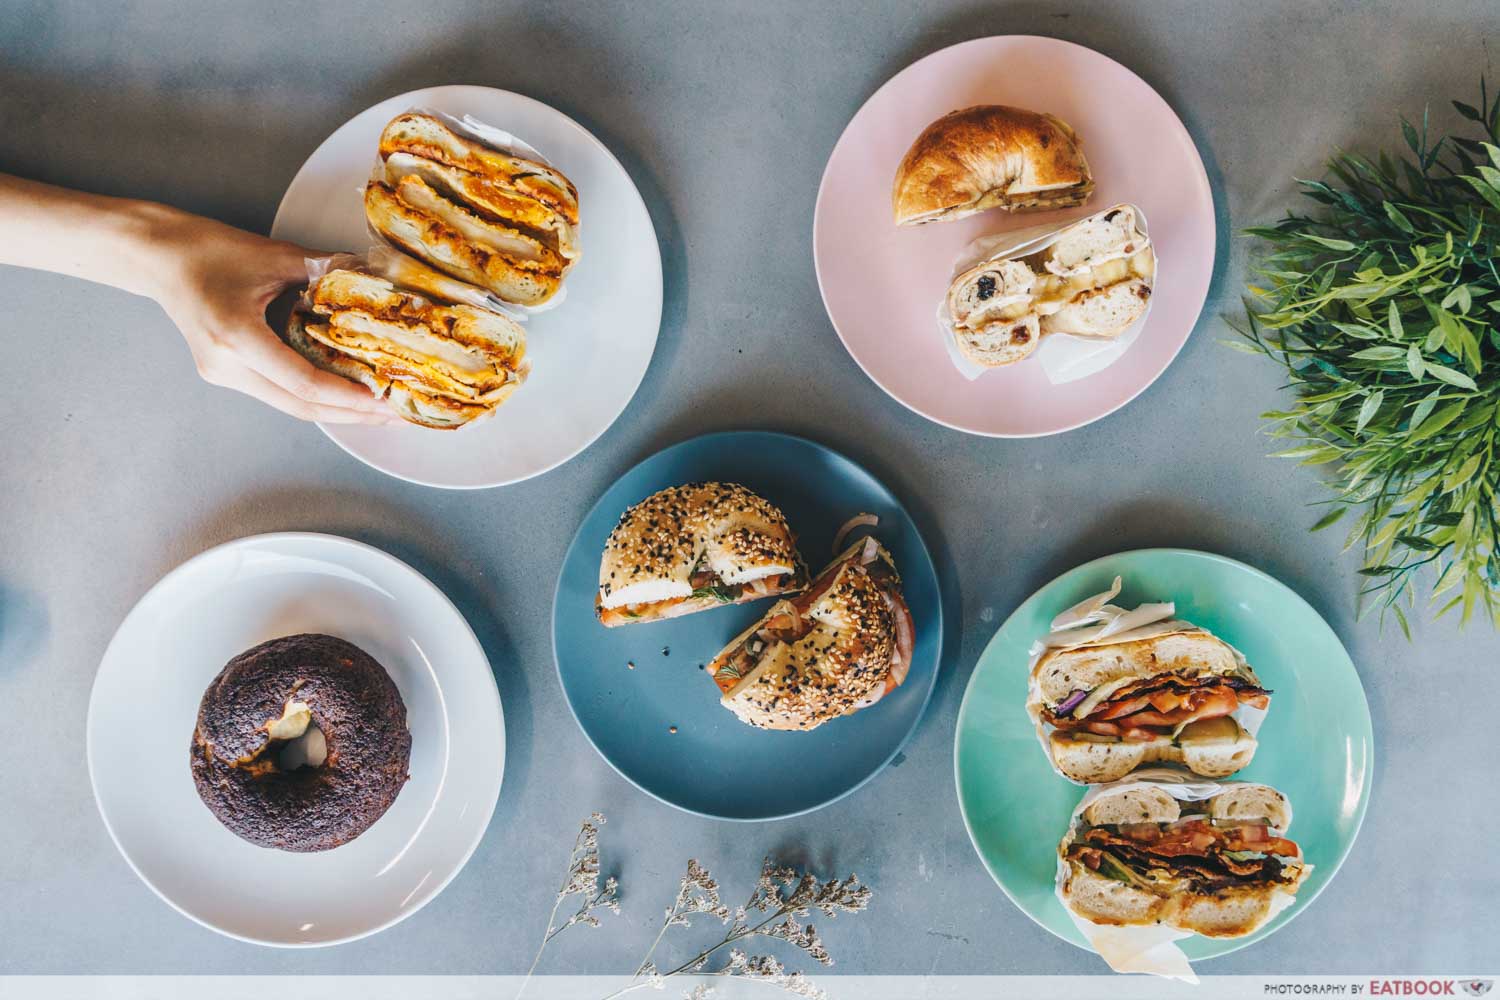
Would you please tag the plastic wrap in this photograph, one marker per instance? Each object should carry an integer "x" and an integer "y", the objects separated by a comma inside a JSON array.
[{"x": 1064, "y": 357}]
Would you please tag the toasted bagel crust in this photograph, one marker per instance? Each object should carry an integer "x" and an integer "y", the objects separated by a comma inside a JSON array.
[
  {"x": 437, "y": 365},
  {"x": 834, "y": 669},
  {"x": 1232, "y": 911},
  {"x": 990, "y": 156},
  {"x": 723, "y": 529}
]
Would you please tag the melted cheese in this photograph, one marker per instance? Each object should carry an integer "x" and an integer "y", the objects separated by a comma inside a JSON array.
[{"x": 1052, "y": 292}]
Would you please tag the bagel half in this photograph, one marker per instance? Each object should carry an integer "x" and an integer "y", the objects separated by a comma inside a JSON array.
[
  {"x": 438, "y": 365},
  {"x": 257, "y": 709},
  {"x": 986, "y": 157},
  {"x": 1109, "y": 707},
  {"x": 839, "y": 646},
  {"x": 1131, "y": 858},
  {"x": 1093, "y": 278},
  {"x": 505, "y": 223},
  {"x": 693, "y": 547}
]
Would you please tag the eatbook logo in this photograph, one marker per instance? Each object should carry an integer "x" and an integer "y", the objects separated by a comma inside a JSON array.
[{"x": 1477, "y": 987}]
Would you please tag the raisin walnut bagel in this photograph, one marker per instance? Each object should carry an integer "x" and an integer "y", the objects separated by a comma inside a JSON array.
[
  {"x": 1094, "y": 278},
  {"x": 268, "y": 697},
  {"x": 1219, "y": 867},
  {"x": 693, "y": 547}
]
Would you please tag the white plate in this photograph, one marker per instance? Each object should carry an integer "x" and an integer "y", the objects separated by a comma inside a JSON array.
[
  {"x": 588, "y": 354},
  {"x": 145, "y": 703}
]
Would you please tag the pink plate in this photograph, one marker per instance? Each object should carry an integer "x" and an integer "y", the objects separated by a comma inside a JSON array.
[{"x": 881, "y": 284}]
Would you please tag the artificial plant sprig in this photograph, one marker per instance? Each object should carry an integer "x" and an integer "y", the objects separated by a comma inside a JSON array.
[{"x": 1383, "y": 305}]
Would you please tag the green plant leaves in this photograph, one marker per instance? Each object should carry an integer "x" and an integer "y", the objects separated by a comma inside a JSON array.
[{"x": 1382, "y": 305}]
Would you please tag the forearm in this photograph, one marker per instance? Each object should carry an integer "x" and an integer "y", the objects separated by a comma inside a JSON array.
[{"x": 115, "y": 241}]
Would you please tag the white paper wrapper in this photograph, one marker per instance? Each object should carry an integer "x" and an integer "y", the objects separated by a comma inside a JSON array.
[
  {"x": 1064, "y": 357},
  {"x": 1094, "y": 621},
  {"x": 503, "y": 142},
  {"x": 1153, "y": 949}
]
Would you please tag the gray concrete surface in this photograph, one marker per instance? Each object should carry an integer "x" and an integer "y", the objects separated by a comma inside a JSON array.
[{"x": 116, "y": 463}]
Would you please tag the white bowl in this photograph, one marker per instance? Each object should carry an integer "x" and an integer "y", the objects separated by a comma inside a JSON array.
[{"x": 145, "y": 704}]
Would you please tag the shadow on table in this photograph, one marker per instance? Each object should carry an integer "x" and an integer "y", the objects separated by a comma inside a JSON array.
[
  {"x": 1170, "y": 523},
  {"x": 24, "y": 628}
]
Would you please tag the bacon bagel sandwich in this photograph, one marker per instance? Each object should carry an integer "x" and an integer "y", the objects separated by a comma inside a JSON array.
[
  {"x": 1220, "y": 866},
  {"x": 1169, "y": 698}
]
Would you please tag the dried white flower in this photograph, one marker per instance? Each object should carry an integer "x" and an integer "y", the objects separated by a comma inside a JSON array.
[
  {"x": 582, "y": 880},
  {"x": 782, "y": 898}
]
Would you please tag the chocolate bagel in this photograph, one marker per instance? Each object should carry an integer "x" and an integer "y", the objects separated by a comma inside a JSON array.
[{"x": 268, "y": 696}]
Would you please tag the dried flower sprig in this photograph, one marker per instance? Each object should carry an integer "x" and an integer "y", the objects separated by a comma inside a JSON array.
[
  {"x": 786, "y": 897},
  {"x": 783, "y": 898},
  {"x": 581, "y": 881}
]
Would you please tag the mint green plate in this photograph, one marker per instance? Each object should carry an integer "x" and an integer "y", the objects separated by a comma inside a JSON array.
[{"x": 1315, "y": 744}]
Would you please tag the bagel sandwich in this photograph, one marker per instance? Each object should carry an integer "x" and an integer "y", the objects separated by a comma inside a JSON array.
[
  {"x": 437, "y": 364},
  {"x": 990, "y": 156},
  {"x": 693, "y": 547},
  {"x": 1120, "y": 702},
  {"x": 839, "y": 646},
  {"x": 503, "y": 222},
  {"x": 1094, "y": 278},
  {"x": 1220, "y": 867}
]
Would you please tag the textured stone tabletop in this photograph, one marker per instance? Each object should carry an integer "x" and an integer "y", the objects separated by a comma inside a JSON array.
[{"x": 117, "y": 463}]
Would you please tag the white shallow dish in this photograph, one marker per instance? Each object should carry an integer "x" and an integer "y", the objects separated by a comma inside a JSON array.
[
  {"x": 588, "y": 354},
  {"x": 145, "y": 704}
]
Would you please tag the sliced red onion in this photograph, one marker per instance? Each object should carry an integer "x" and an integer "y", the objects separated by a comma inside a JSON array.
[
  {"x": 1070, "y": 703},
  {"x": 857, "y": 521}
]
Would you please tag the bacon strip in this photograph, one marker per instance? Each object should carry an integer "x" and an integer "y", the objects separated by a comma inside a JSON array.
[
  {"x": 1193, "y": 850},
  {"x": 1155, "y": 706}
]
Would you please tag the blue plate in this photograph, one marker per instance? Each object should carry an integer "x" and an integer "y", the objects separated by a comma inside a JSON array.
[{"x": 713, "y": 764}]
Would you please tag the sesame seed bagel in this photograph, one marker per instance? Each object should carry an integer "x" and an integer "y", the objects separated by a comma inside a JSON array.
[
  {"x": 269, "y": 695},
  {"x": 692, "y": 547},
  {"x": 838, "y": 647}
]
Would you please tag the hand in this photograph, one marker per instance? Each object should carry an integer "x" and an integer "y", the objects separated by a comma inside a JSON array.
[{"x": 215, "y": 282}]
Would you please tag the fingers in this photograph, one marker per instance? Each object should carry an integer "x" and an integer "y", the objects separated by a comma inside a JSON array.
[
  {"x": 277, "y": 363},
  {"x": 258, "y": 386}
]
